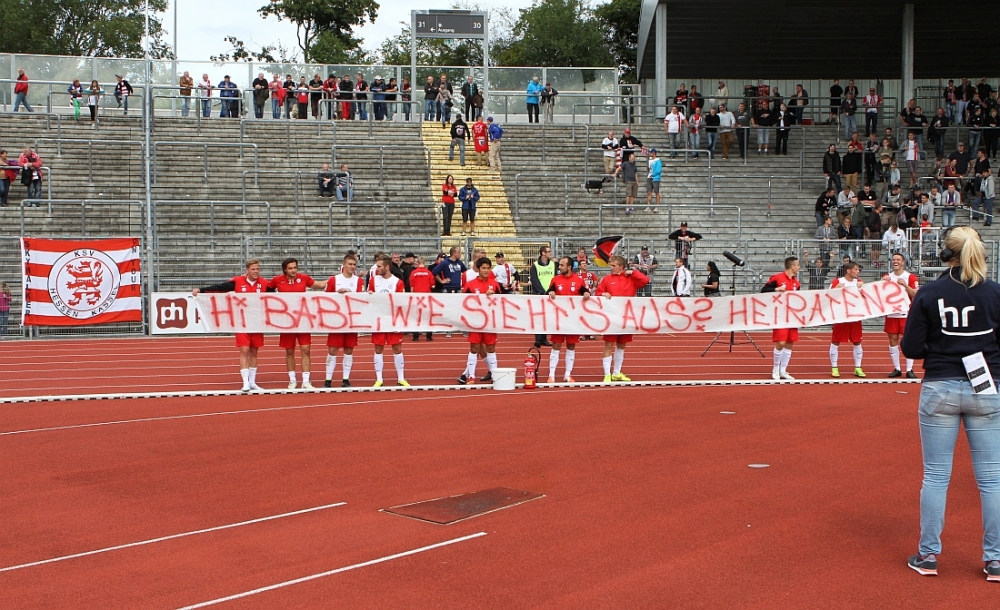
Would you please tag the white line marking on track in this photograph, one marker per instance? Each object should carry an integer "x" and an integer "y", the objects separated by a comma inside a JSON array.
[
  {"x": 171, "y": 537},
  {"x": 355, "y": 566}
]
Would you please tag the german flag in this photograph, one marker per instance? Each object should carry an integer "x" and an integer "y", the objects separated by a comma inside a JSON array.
[{"x": 605, "y": 248}]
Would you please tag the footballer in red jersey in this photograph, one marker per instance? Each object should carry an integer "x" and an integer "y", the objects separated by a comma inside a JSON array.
[
  {"x": 620, "y": 282},
  {"x": 291, "y": 280},
  {"x": 481, "y": 344},
  {"x": 345, "y": 281},
  {"x": 895, "y": 323},
  {"x": 784, "y": 338},
  {"x": 384, "y": 282},
  {"x": 422, "y": 281},
  {"x": 565, "y": 284},
  {"x": 847, "y": 331},
  {"x": 248, "y": 343}
]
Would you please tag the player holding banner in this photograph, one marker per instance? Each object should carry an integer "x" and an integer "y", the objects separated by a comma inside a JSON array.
[
  {"x": 565, "y": 283},
  {"x": 847, "y": 331},
  {"x": 896, "y": 322},
  {"x": 481, "y": 344},
  {"x": 345, "y": 282},
  {"x": 784, "y": 338},
  {"x": 291, "y": 280},
  {"x": 384, "y": 282},
  {"x": 619, "y": 283},
  {"x": 248, "y": 343}
]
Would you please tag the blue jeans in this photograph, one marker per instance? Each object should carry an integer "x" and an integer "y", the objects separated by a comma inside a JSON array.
[
  {"x": 850, "y": 125},
  {"x": 695, "y": 141},
  {"x": 4, "y": 191},
  {"x": 20, "y": 99},
  {"x": 35, "y": 190},
  {"x": 185, "y": 106},
  {"x": 430, "y": 108},
  {"x": 206, "y": 108},
  {"x": 948, "y": 217},
  {"x": 974, "y": 137},
  {"x": 340, "y": 193},
  {"x": 919, "y": 139},
  {"x": 362, "y": 110},
  {"x": 275, "y": 108},
  {"x": 944, "y": 405},
  {"x": 461, "y": 150},
  {"x": 712, "y": 137}
]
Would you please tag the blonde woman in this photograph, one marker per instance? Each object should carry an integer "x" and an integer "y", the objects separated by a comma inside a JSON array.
[{"x": 952, "y": 319}]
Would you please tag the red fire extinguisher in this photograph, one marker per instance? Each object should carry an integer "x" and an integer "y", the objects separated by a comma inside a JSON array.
[{"x": 531, "y": 369}]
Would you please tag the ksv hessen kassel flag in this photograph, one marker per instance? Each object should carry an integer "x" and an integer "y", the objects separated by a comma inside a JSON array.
[{"x": 80, "y": 282}]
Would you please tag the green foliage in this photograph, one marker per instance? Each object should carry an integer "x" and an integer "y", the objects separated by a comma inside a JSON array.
[
  {"x": 332, "y": 48},
  {"x": 103, "y": 28},
  {"x": 267, "y": 53},
  {"x": 557, "y": 33},
  {"x": 316, "y": 17},
  {"x": 430, "y": 51},
  {"x": 620, "y": 23}
]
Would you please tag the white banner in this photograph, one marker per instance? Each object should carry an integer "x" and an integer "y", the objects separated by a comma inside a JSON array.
[{"x": 329, "y": 312}]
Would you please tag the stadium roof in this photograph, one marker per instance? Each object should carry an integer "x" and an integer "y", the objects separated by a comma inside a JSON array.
[{"x": 817, "y": 39}]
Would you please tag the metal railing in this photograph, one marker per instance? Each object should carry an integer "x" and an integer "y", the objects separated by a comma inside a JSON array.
[
  {"x": 59, "y": 140},
  {"x": 102, "y": 109},
  {"x": 381, "y": 156},
  {"x": 206, "y": 146},
  {"x": 211, "y": 206},
  {"x": 384, "y": 205},
  {"x": 670, "y": 208},
  {"x": 47, "y": 179},
  {"x": 565, "y": 178},
  {"x": 83, "y": 203},
  {"x": 769, "y": 177}
]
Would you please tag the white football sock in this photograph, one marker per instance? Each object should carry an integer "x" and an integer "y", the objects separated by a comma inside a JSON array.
[
  {"x": 777, "y": 359},
  {"x": 305, "y": 376},
  {"x": 786, "y": 356},
  {"x": 291, "y": 375},
  {"x": 894, "y": 355},
  {"x": 331, "y": 365},
  {"x": 491, "y": 362},
  {"x": 252, "y": 375},
  {"x": 470, "y": 365},
  {"x": 834, "y": 355},
  {"x": 570, "y": 359},
  {"x": 553, "y": 362},
  {"x": 619, "y": 357},
  {"x": 348, "y": 365},
  {"x": 606, "y": 361},
  {"x": 245, "y": 374},
  {"x": 378, "y": 367},
  {"x": 909, "y": 364},
  {"x": 859, "y": 352},
  {"x": 397, "y": 359}
]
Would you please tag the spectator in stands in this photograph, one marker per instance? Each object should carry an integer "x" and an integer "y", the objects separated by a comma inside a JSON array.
[
  {"x": 918, "y": 120},
  {"x": 893, "y": 199},
  {"x": 933, "y": 202},
  {"x": 444, "y": 81},
  {"x": 951, "y": 200},
  {"x": 831, "y": 167},
  {"x": 762, "y": 119},
  {"x": 31, "y": 173},
  {"x": 277, "y": 92},
  {"x": 893, "y": 144},
  {"x": 444, "y": 102},
  {"x": 122, "y": 90},
  {"x": 301, "y": 99},
  {"x": 361, "y": 94},
  {"x": 378, "y": 98},
  {"x": 696, "y": 124},
  {"x": 826, "y": 235},
  {"x": 744, "y": 119},
  {"x": 7, "y": 176},
  {"x": 346, "y": 89},
  {"x": 406, "y": 97},
  {"x": 894, "y": 175},
  {"x": 836, "y": 99},
  {"x": 315, "y": 94},
  {"x": 964, "y": 97},
  {"x": 630, "y": 174},
  {"x": 852, "y": 89},
  {"x": 776, "y": 100},
  {"x": 480, "y": 141},
  {"x": 469, "y": 90},
  {"x": 894, "y": 241},
  {"x": 873, "y": 101},
  {"x": 460, "y": 132},
  {"x": 261, "y": 91},
  {"x": 727, "y": 125},
  {"x": 673, "y": 124},
  {"x": 477, "y": 103},
  {"x": 845, "y": 233},
  {"x": 683, "y": 242},
  {"x": 505, "y": 275},
  {"x": 848, "y": 108},
  {"x": 330, "y": 88},
  {"x": 912, "y": 150},
  {"x": 289, "y": 96},
  {"x": 631, "y": 144},
  {"x": 712, "y": 122},
  {"x": 469, "y": 195},
  {"x": 845, "y": 200},
  {"x": 851, "y": 167},
  {"x": 5, "y": 301},
  {"x": 647, "y": 263},
  {"x": 94, "y": 94},
  {"x": 824, "y": 203},
  {"x": 391, "y": 94},
  {"x": 873, "y": 232},
  {"x": 798, "y": 102},
  {"x": 548, "y": 102},
  {"x": 448, "y": 193},
  {"x": 871, "y": 148},
  {"x": 345, "y": 184},
  {"x": 695, "y": 100},
  {"x": 681, "y": 96},
  {"x": 784, "y": 121},
  {"x": 951, "y": 101},
  {"x": 205, "y": 94},
  {"x": 936, "y": 131},
  {"x": 75, "y": 91},
  {"x": 21, "y": 91},
  {"x": 327, "y": 181},
  {"x": 988, "y": 188},
  {"x": 975, "y": 121},
  {"x": 653, "y": 177},
  {"x": 721, "y": 96},
  {"x": 991, "y": 131},
  {"x": 430, "y": 99},
  {"x": 610, "y": 146},
  {"x": 229, "y": 95},
  {"x": 495, "y": 133},
  {"x": 186, "y": 85}
]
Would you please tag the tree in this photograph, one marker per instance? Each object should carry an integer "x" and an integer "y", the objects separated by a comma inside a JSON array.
[
  {"x": 332, "y": 48},
  {"x": 621, "y": 34},
  {"x": 454, "y": 51},
  {"x": 266, "y": 54},
  {"x": 313, "y": 18},
  {"x": 103, "y": 28},
  {"x": 557, "y": 33}
]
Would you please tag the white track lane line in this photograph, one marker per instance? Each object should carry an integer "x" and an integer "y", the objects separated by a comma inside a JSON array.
[
  {"x": 355, "y": 566},
  {"x": 171, "y": 537}
]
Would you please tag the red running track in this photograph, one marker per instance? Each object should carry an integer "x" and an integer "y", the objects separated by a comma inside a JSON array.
[
  {"x": 211, "y": 363},
  {"x": 649, "y": 502}
]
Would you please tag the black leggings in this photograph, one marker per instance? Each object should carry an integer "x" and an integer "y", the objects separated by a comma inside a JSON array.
[
  {"x": 93, "y": 113},
  {"x": 447, "y": 213},
  {"x": 991, "y": 144},
  {"x": 532, "y": 111}
]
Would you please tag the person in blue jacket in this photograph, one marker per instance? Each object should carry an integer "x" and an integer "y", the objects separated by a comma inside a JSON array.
[
  {"x": 952, "y": 324},
  {"x": 229, "y": 92},
  {"x": 469, "y": 196},
  {"x": 534, "y": 92}
]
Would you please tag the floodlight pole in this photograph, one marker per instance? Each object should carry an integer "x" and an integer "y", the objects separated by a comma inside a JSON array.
[
  {"x": 413, "y": 67},
  {"x": 486, "y": 63},
  {"x": 146, "y": 127}
]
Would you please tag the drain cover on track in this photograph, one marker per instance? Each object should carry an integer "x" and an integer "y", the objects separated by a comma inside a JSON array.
[{"x": 452, "y": 509}]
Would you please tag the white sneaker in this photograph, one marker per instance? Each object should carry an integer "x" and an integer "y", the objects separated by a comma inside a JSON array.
[
  {"x": 246, "y": 388},
  {"x": 787, "y": 377},
  {"x": 307, "y": 386},
  {"x": 256, "y": 388},
  {"x": 775, "y": 375},
  {"x": 291, "y": 385}
]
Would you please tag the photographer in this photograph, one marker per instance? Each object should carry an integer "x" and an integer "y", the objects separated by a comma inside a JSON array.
[{"x": 953, "y": 320}]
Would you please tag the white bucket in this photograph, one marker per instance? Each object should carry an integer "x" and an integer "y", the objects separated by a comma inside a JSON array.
[{"x": 504, "y": 379}]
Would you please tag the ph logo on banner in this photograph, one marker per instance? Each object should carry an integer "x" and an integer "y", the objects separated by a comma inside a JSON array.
[{"x": 172, "y": 313}]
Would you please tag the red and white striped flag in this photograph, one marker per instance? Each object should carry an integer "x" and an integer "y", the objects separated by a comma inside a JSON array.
[{"x": 80, "y": 282}]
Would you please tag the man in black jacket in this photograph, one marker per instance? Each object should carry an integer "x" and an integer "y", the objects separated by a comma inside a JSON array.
[
  {"x": 460, "y": 132},
  {"x": 684, "y": 242},
  {"x": 469, "y": 90},
  {"x": 430, "y": 98},
  {"x": 831, "y": 167}
]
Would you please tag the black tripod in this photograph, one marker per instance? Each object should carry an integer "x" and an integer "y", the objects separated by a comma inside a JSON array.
[{"x": 732, "y": 333}]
